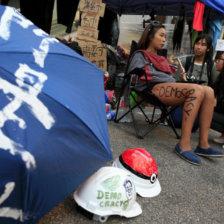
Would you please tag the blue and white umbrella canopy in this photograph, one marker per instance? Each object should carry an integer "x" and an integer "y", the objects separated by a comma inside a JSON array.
[{"x": 53, "y": 128}]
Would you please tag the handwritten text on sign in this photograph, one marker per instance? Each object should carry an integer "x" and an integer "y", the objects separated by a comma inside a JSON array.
[
  {"x": 95, "y": 52},
  {"x": 95, "y": 6},
  {"x": 87, "y": 34},
  {"x": 89, "y": 21}
]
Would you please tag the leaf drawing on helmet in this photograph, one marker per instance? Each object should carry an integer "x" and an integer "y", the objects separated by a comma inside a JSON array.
[{"x": 111, "y": 183}]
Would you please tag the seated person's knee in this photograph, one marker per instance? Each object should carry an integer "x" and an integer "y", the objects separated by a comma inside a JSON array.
[
  {"x": 209, "y": 92},
  {"x": 199, "y": 91}
]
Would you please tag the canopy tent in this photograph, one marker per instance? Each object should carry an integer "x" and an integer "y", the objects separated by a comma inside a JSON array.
[{"x": 159, "y": 7}]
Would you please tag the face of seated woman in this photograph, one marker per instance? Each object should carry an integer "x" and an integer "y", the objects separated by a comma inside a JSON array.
[
  {"x": 220, "y": 63},
  {"x": 158, "y": 40}
]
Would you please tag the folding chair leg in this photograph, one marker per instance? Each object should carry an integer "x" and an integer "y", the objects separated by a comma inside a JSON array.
[
  {"x": 153, "y": 113},
  {"x": 118, "y": 106},
  {"x": 155, "y": 124},
  {"x": 165, "y": 113},
  {"x": 135, "y": 126},
  {"x": 138, "y": 104},
  {"x": 116, "y": 120}
]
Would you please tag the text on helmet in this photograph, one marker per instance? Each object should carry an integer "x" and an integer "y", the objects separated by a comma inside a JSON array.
[{"x": 111, "y": 199}]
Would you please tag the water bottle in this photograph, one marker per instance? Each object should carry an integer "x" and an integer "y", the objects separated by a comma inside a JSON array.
[{"x": 110, "y": 115}]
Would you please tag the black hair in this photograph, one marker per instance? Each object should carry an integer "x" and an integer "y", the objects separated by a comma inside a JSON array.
[{"x": 149, "y": 33}]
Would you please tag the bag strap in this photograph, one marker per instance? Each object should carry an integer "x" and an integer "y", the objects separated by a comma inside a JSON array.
[{"x": 188, "y": 63}]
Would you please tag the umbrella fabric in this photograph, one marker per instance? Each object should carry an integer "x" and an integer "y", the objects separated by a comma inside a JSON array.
[{"x": 53, "y": 127}]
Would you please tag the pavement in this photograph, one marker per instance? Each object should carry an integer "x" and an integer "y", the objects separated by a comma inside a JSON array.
[{"x": 190, "y": 194}]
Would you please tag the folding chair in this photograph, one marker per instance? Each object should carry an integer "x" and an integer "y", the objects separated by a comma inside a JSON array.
[{"x": 131, "y": 81}]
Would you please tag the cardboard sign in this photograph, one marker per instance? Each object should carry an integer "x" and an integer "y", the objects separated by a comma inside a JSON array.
[
  {"x": 88, "y": 34},
  {"x": 219, "y": 45},
  {"x": 89, "y": 20},
  {"x": 100, "y": 63},
  {"x": 95, "y": 52},
  {"x": 95, "y": 6}
]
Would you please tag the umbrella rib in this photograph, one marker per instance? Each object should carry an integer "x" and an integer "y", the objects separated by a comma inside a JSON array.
[{"x": 65, "y": 55}]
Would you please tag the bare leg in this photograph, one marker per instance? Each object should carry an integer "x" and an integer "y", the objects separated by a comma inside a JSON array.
[
  {"x": 205, "y": 116},
  {"x": 188, "y": 95}
]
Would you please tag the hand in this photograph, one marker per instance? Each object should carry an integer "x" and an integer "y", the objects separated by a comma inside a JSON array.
[
  {"x": 183, "y": 75},
  {"x": 182, "y": 71}
]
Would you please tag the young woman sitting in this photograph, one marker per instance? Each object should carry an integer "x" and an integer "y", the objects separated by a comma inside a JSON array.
[
  {"x": 199, "y": 68},
  {"x": 161, "y": 82}
]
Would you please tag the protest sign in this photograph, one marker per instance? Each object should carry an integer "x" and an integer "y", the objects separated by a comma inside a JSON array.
[
  {"x": 90, "y": 20},
  {"x": 88, "y": 34},
  {"x": 95, "y": 6},
  {"x": 95, "y": 52}
]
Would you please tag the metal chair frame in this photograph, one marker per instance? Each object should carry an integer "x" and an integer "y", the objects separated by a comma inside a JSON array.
[{"x": 132, "y": 79}]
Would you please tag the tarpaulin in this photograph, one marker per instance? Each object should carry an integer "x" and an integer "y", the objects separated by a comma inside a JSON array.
[{"x": 216, "y": 4}]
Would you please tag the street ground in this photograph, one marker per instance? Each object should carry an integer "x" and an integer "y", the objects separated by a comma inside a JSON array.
[{"x": 190, "y": 194}]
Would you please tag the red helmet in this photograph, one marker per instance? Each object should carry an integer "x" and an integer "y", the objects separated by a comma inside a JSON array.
[{"x": 143, "y": 169}]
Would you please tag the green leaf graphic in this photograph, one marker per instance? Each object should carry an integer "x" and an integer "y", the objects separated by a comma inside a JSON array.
[{"x": 111, "y": 183}]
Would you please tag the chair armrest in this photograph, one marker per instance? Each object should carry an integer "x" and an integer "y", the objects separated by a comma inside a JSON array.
[{"x": 137, "y": 71}]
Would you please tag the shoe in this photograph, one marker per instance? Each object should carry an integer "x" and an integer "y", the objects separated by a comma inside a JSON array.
[
  {"x": 218, "y": 140},
  {"x": 210, "y": 152},
  {"x": 188, "y": 156}
]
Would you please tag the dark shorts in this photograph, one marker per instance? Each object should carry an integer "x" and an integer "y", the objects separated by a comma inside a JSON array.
[{"x": 152, "y": 84}]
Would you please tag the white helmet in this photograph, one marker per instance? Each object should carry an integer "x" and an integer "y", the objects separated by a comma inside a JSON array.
[
  {"x": 143, "y": 170},
  {"x": 110, "y": 191}
]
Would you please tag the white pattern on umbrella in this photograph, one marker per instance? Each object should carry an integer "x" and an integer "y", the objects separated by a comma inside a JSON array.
[{"x": 18, "y": 95}]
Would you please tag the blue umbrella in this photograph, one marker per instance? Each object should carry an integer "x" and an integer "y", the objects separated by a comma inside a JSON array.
[
  {"x": 53, "y": 128},
  {"x": 215, "y": 4}
]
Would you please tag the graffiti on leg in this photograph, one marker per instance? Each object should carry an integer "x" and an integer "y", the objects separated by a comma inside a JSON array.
[{"x": 177, "y": 92}]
